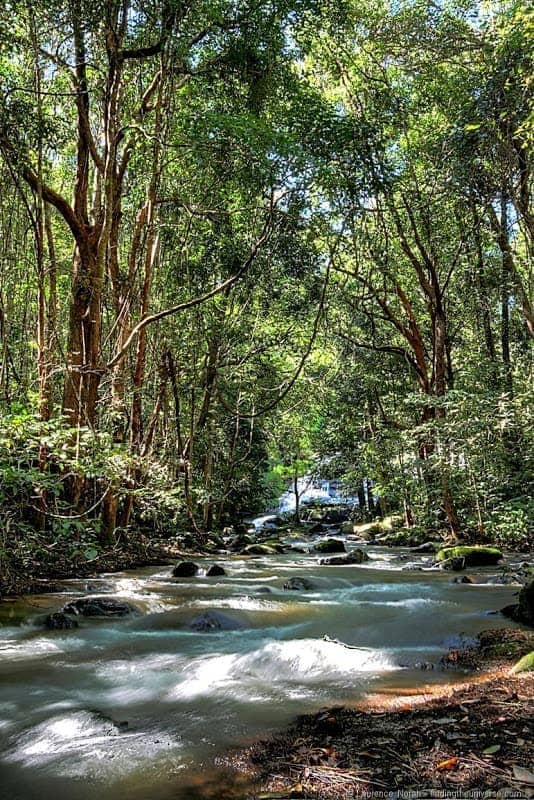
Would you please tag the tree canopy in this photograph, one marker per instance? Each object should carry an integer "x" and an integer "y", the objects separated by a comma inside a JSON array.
[{"x": 244, "y": 240}]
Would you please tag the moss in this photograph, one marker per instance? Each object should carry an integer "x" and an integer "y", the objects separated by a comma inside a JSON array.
[
  {"x": 525, "y": 664},
  {"x": 330, "y": 546},
  {"x": 472, "y": 556}
]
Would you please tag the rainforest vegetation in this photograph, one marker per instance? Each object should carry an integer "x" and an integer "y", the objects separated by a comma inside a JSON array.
[{"x": 245, "y": 241}]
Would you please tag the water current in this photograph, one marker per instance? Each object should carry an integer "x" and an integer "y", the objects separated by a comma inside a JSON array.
[{"x": 137, "y": 707}]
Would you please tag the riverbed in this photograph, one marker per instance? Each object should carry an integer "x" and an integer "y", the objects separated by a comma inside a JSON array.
[{"x": 139, "y": 707}]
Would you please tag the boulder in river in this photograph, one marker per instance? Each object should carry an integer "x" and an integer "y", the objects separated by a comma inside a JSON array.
[
  {"x": 330, "y": 546},
  {"x": 211, "y": 621},
  {"x": 453, "y": 564},
  {"x": 98, "y": 607},
  {"x": 523, "y": 611},
  {"x": 298, "y": 585},
  {"x": 472, "y": 556},
  {"x": 356, "y": 557},
  {"x": 215, "y": 570},
  {"x": 60, "y": 622},
  {"x": 185, "y": 569}
]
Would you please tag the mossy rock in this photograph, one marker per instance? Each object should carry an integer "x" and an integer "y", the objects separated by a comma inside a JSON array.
[
  {"x": 330, "y": 546},
  {"x": 347, "y": 527},
  {"x": 525, "y": 664},
  {"x": 471, "y": 556},
  {"x": 274, "y": 545}
]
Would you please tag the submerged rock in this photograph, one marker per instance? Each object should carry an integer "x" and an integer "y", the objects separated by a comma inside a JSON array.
[
  {"x": 214, "y": 621},
  {"x": 298, "y": 585},
  {"x": 330, "y": 546},
  {"x": 60, "y": 622},
  {"x": 98, "y": 607},
  {"x": 215, "y": 570},
  {"x": 185, "y": 569}
]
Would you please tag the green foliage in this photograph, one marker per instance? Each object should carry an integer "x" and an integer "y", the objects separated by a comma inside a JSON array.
[{"x": 265, "y": 147}]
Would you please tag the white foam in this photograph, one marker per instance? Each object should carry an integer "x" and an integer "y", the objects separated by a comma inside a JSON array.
[
  {"x": 277, "y": 666},
  {"x": 84, "y": 744},
  {"x": 245, "y": 603}
]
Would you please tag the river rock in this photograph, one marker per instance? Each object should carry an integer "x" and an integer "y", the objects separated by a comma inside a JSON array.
[
  {"x": 523, "y": 611},
  {"x": 98, "y": 607},
  {"x": 453, "y": 564},
  {"x": 347, "y": 527},
  {"x": 356, "y": 557},
  {"x": 298, "y": 585},
  {"x": 471, "y": 556},
  {"x": 330, "y": 546},
  {"x": 336, "y": 515},
  {"x": 214, "y": 621},
  {"x": 185, "y": 569},
  {"x": 317, "y": 527},
  {"x": 215, "y": 570},
  {"x": 258, "y": 550},
  {"x": 60, "y": 622},
  {"x": 426, "y": 547},
  {"x": 463, "y": 579}
]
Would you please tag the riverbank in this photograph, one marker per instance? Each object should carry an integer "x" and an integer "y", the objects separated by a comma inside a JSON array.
[
  {"x": 452, "y": 740},
  {"x": 22, "y": 573}
]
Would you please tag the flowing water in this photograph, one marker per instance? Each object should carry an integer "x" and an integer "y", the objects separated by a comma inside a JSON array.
[{"x": 135, "y": 707}]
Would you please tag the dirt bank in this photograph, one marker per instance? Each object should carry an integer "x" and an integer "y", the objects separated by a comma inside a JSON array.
[{"x": 453, "y": 740}]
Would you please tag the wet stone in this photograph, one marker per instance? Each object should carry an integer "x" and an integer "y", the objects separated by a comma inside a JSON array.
[
  {"x": 215, "y": 570},
  {"x": 298, "y": 585},
  {"x": 98, "y": 607},
  {"x": 356, "y": 557},
  {"x": 60, "y": 622},
  {"x": 185, "y": 569},
  {"x": 330, "y": 546},
  {"x": 214, "y": 621}
]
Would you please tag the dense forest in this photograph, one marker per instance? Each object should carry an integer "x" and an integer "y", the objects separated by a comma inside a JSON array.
[{"x": 246, "y": 241}]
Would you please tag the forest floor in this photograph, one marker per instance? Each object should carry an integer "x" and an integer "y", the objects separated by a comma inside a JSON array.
[
  {"x": 468, "y": 740},
  {"x": 30, "y": 570}
]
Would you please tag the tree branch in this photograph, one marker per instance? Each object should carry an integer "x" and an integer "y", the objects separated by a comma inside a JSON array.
[{"x": 196, "y": 301}]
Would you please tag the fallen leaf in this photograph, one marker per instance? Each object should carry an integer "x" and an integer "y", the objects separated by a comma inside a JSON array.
[
  {"x": 523, "y": 775},
  {"x": 449, "y": 763},
  {"x": 489, "y": 751}
]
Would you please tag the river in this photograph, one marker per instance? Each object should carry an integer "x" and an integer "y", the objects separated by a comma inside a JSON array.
[{"x": 139, "y": 707}]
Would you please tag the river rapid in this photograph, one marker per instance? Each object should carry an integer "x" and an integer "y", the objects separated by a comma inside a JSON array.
[{"x": 139, "y": 707}]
